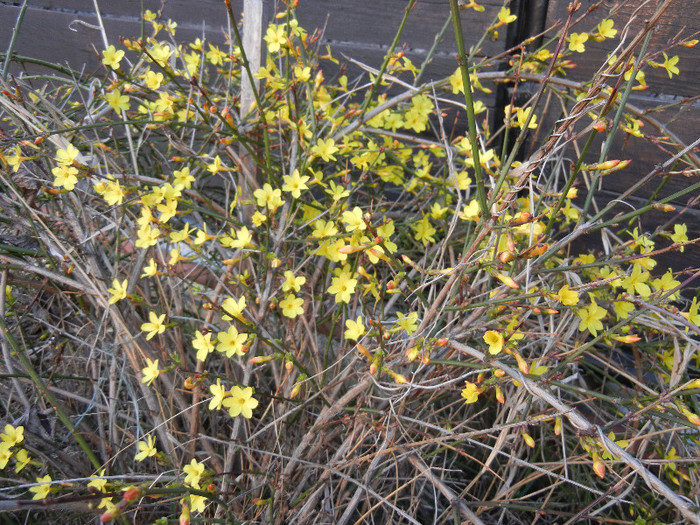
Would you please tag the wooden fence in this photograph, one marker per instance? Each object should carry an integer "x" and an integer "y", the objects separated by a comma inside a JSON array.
[{"x": 65, "y": 31}]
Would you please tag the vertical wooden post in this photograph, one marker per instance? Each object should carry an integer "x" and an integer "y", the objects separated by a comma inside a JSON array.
[{"x": 252, "y": 42}]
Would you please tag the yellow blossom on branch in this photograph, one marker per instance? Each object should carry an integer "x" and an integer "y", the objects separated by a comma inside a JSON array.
[
  {"x": 354, "y": 329},
  {"x": 43, "y": 490},
  {"x": 470, "y": 392},
  {"x": 118, "y": 291},
  {"x": 505, "y": 17},
  {"x": 194, "y": 472},
  {"x": 591, "y": 317},
  {"x": 267, "y": 197},
  {"x": 231, "y": 342},
  {"x": 219, "y": 393},
  {"x": 566, "y": 296},
  {"x": 65, "y": 177},
  {"x": 111, "y": 57},
  {"x": 146, "y": 448},
  {"x": 203, "y": 344},
  {"x": 292, "y": 306},
  {"x": 117, "y": 101},
  {"x": 150, "y": 372},
  {"x": 295, "y": 183},
  {"x": 495, "y": 341},
  {"x": 343, "y": 286},
  {"x": 155, "y": 326},
  {"x": 291, "y": 282},
  {"x": 325, "y": 149},
  {"x": 577, "y": 41},
  {"x": 12, "y": 435},
  {"x": 241, "y": 402}
]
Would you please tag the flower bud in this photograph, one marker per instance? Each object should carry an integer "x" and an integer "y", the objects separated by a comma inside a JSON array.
[
  {"x": 499, "y": 395},
  {"x": 598, "y": 466}
]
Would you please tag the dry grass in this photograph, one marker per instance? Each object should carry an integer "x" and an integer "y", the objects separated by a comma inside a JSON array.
[{"x": 571, "y": 424}]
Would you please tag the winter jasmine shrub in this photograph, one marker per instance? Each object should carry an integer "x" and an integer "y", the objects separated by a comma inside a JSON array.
[{"x": 329, "y": 305}]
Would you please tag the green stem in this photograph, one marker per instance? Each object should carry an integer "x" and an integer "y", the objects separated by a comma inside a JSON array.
[
  {"x": 616, "y": 123},
  {"x": 469, "y": 106},
  {"x": 13, "y": 39}
]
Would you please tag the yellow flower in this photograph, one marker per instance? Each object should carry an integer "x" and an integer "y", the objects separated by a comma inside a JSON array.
[
  {"x": 680, "y": 234},
  {"x": 160, "y": 53},
  {"x": 576, "y": 41},
  {"x": 67, "y": 156},
  {"x": 215, "y": 167},
  {"x": 424, "y": 231},
  {"x": 470, "y": 211},
  {"x": 41, "y": 491},
  {"x": 302, "y": 74},
  {"x": 150, "y": 372},
  {"x": 623, "y": 309},
  {"x": 407, "y": 322},
  {"x": 353, "y": 220},
  {"x": 113, "y": 193},
  {"x": 243, "y": 239},
  {"x": 151, "y": 269},
  {"x": 337, "y": 191},
  {"x": 98, "y": 483},
  {"x": 670, "y": 65},
  {"x": 291, "y": 282},
  {"x": 325, "y": 149},
  {"x": 13, "y": 435},
  {"x": 155, "y": 325},
  {"x": 692, "y": 313},
  {"x": 231, "y": 342},
  {"x": 295, "y": 183},
  {"x": 504, "y": 16},
  {"x": 153, "y": 80},
  {"x": 118, "y": 291},
  {"x": 495, "y": 341},
  {"x": 275, "y": 37},
  {"x": 146, "y": 448},
  {"x": 591, "y": 318},
  {"x": 219, "y": 393},
  {"x": 215, "y": 55},
  {"x": 324, "y": 229},
  {"x": 203, "y": 344},
  {"x": 22, "y": 460},
  {"x": 267, "y": 197},
  {"x": 117, "y": 101},
  {"x": 194, "y": 472},
  {"x": 65, "y": 177},
  {"x": 522, "y": 115},
  {"x": 636, "y": 282},
  {"x": 343, "y": 286},
  {"x": 233, "y": 308},
  {"x": 566, "y": 296},
  {"x": 292, "y": 306},
  {"x": 111, "y": 57},
  {"x": 470, "y": 392},
  {"x": 355, "y": 329},
  {"x": 605, "y": 30},
  {"x": 182, "y": 178},
  {"x": 197, "y": 503},
  {"x": 5, "y": 455},
  {"x": 241, "y": 402},
  {"x": 473, "y": 5}
]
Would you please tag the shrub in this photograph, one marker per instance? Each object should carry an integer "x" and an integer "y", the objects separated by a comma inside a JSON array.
[{"x": 328, "y": 305}]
